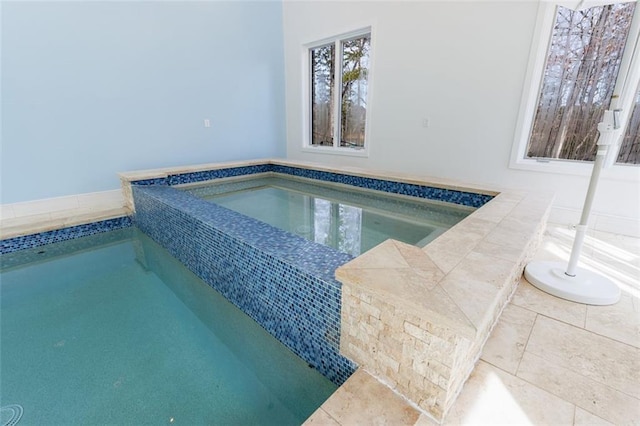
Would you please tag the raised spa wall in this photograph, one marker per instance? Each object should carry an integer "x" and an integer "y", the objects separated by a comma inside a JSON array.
[
  {"x": 415, "y": 319},
  {"x": 285, "y": 284}
]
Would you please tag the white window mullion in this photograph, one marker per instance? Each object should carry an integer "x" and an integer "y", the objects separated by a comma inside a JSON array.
[
  {"x": 337, "y": 90},
  {"x": 628, "y": 87}
]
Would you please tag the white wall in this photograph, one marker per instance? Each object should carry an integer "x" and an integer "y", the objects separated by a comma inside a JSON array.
[{"x": 462, "y": 65}]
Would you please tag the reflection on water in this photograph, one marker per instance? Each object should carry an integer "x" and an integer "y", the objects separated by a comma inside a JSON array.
[
  {"x": 337, "y": 225},
  {"x": 343, "y": 226},
  {"x": 350, "y": 220}
]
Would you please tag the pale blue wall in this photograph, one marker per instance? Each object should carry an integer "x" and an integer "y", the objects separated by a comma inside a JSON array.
[{"x": 93, "y": 88}]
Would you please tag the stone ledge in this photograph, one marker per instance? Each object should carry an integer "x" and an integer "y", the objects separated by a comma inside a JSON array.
[
  {"x": 418, "y": 318},
  {"x": 34, "y": 224},
  {"x": 363, "y": 400}
]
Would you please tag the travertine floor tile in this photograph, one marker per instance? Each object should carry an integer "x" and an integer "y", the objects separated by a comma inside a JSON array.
[
  {"x": 463, "y": 237},
  {"x": 385, "y": 256},
  {"x": 474, "y": 308},
  {"x": 585, "y": 418},
  {"x": 558, "y": 241},
  {"x": 32, "y": 224},
  {"x": 507, "y": 342},
  {"x": 495, "y": 211},
  {"x": 598, "y": 358},
  {"x": 26, "y": 220},
  {"x": 498, "y": 250},
  {"x": 425, "y": 420},
  {"x": 529, "y": 297},
  {"x": 482, "y": 267},
  {"x": 620, "y": 322},
  {"x": 362, "y": 400},
  {"x": 444, "y": 259},
  {"x": 594, "y": 397},
  {"x": 6, "y": 212},
  {"x": 563, "y": 374},
  {"x": 65, "y": 214},
  {"x": 624, "y": 242},
  {"x": 493, "y": 397},
  {"x": 617, "y": 255},
  {"x": 511, "y": 238},
  {"x": 321, "y": 418}
]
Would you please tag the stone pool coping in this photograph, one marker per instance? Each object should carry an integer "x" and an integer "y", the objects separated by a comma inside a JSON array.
[
  {"x": 68, "y": 225},
  {"x": 416, "y": 319},
  {"x": 35, "y": 224},
  {"x": 162, "y": 175}
]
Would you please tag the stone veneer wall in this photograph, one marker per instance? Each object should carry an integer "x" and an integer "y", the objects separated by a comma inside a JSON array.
[
  {"x": 285, "y": 284},
  {"x": 417, "y": 319}
]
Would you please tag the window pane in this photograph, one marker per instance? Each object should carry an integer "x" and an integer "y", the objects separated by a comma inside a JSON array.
[
  {"x": 630, "y": 149},
  {"x": 355, "y": 70},
  {"x": 322, "y": 72},
  {"x": 579, "y": 77}
]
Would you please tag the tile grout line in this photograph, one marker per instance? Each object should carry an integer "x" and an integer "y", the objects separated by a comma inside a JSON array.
[
  {"x": 535, "y": 320},
  {"x": 570, "y": 402},
  {"x": 589, "y": 331}
]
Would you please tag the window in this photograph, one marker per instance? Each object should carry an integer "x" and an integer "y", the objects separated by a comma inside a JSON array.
[
  {"x": 580, "y": 68},
  {"x": 339, "y": 87},
  {"x": 630, "y": 150}
]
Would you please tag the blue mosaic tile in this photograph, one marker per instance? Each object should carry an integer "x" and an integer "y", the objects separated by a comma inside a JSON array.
[
  {"x": 36, "y": 240},
  {"x": 422, "y": 191},
  {"x": 218, "y": 174},
  {"x": 282, "y": 281},
  {"x": 63, "y": 248},
  {"x": 154, "y": 181}
]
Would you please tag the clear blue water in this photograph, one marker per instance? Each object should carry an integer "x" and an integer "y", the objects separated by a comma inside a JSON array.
[
  {"x": 350, "y": 220},
  {"x": 119, "y": 332}
]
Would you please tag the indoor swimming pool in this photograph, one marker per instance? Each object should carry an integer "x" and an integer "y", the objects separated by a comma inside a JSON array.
[
  {"x": 263, "y": 254},
  {"x": 112, "y": 329},
  {"x": 351, "y": 220},
  {"x": 327, "y": 306}
]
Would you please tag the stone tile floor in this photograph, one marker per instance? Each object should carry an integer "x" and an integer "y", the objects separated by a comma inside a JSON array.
[{"x": 547, "y": 362}]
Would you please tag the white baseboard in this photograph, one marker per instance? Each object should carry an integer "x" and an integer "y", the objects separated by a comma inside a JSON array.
[{"x": 599, "y": 222}]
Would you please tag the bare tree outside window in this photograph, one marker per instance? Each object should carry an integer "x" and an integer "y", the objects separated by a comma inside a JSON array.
[
  {"x": 342, "y": 66},
  {"x": 355, "y": 67},
  {"x": 630, "y": 148},
  {"x": 583, "y": 62},
  {"x": 322, "y": 74}
]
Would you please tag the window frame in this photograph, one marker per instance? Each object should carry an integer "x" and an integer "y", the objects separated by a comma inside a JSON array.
[
  {"x": 336, "y": 40},
  {"x": 528, "y": 104}
]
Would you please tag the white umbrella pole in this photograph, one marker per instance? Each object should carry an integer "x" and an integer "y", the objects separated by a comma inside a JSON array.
[
  {"x": 573, "y": 283},
  {"x": 606, "y": 128}
]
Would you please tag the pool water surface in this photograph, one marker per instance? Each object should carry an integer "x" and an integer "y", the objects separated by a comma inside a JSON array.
[
  {"x": 350, "y": 220},
  {"x": 120, "y": 332}
]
